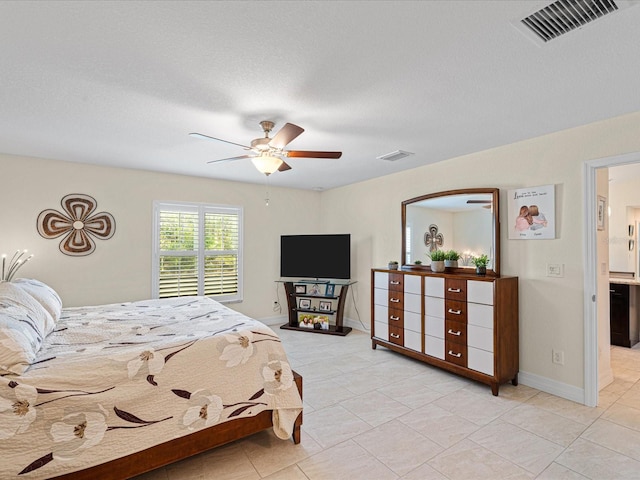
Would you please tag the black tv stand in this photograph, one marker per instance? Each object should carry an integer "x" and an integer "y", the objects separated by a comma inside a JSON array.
[{"x": 310, "y": 306}]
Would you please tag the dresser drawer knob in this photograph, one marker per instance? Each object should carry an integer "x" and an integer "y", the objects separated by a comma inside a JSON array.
[
  {"x": 458, "y": 333},
  {"x": 454, "y": 290},
  {"x": 393, "y": 317},
  {"x": 394, "y": 300},
  {"x": 455, "y": 312},
  {"x": 394, "y": 283},
  {"x": 457, "y": 355},
  {"x": 394, "y": 335}
]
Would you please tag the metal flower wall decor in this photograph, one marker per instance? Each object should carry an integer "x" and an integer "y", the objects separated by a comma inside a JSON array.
[
  {"x": 433, "y": 239},
  {"x": 78, "y": 225}
]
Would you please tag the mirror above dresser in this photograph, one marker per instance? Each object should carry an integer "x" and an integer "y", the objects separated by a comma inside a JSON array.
[{"x": 465, "y": 220}]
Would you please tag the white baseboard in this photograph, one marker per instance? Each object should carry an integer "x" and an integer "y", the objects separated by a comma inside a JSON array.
[
  {"x": 553, "y": 387},
  {"x": 275, "y": 321},
  {"x": 357, "y": 325}
]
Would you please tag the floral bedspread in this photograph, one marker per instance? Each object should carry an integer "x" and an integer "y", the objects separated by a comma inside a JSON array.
[{"x": 115, "y": 379}]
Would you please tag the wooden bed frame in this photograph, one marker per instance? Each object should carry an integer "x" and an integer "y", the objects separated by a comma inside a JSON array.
[{"x": 183, "y": 447}]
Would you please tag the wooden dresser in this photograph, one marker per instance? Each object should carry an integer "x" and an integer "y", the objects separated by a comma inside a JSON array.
[{"x": 463, "y": 323}]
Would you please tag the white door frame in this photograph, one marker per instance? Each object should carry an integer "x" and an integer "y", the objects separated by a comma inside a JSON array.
[{"x": 591, "y": 270}]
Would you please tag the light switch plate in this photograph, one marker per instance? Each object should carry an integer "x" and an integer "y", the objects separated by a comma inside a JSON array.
[{"x": 555, "y": 269}]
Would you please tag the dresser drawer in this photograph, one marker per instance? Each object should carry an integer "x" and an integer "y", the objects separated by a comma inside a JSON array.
[
  {"x": 396, "y": 335},
  {"x": 412, "y": 321},
  {"x": 480, "y": 292},
  {"x": 455, "y": 310},
  {"x": 434, "y": 287},
  {"x": 434, "y": 346},
  {"x": 434, "y": 307},
  {"x": 380, "y": 314},
  {"x": 455, "y": 289},
  {"x": 396, "y": 299},
  {"x": 434, "y": 326},
  {"x": 456, "y": 353},
  {"x": 396, "y": 282},
  {"x": 480, "y": 315},
  {"x": 480, "y": 360},
  {"x": 413, "y": 284},
  {"x": 381, "y": 296},
  {"x": 456, "y": 332},
  {"x": 381, "y": 280},
  {"x": 413, "y": 340},
  {"x": 412, "y": 302},
  {"x": 381, "y": 330},
  {"x": 396, "y": 317},
  {"x": 480, "y": 337}
]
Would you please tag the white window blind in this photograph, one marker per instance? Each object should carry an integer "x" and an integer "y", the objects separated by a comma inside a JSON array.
[{"x": 197, "y": 251}]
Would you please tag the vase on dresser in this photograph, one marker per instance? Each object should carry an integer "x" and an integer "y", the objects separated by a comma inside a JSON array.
[{"x": 437, "y": 266}]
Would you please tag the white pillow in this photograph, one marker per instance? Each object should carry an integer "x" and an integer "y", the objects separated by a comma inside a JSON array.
[
  {"x": 44, "y": 294},
  {"x": 13, "y": 295},
  {"x": 19, "y": 341}
]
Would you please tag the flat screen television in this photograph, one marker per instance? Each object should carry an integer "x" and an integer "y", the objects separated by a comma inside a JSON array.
[{"x": 315, "y": 256}]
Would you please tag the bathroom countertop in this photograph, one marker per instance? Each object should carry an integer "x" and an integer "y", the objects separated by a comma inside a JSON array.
[{"x": 624, "y": 281}]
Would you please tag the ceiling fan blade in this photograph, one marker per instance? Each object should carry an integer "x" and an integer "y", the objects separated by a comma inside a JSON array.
[
  {"x": 478, "y": 201},
  {"x": 231, "y": 159},
  {"x": 313, "y": 154},
  {"x": 284, "y": 167},
  {"x": 207, "y": 137},
  {"x": 285, "y": 135}
]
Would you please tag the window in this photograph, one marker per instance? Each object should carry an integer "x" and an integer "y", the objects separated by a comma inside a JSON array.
[{"x": 197, "y": 251}]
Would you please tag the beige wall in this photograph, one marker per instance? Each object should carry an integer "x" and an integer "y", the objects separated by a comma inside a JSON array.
[
  {"x": 551, "y": 309},
  {"x": 120, "y": 268}
]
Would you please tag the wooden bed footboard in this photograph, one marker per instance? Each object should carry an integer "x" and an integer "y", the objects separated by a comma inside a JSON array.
[{"x": 183, "y": 447}]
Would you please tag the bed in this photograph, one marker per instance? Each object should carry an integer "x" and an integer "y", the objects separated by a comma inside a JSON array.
[{"x": 116, "y": 390}]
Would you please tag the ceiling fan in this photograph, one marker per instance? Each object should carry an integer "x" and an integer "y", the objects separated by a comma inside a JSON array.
[{"x": 267, "y": 153}]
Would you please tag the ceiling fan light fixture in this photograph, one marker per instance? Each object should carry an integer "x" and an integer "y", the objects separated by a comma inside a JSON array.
[{"x": 266, "y": 164}]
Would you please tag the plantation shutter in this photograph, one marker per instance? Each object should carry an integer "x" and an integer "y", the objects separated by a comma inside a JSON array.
[
  {"x": 197, "y": 251},
  {"x": 221, "y": 234}
]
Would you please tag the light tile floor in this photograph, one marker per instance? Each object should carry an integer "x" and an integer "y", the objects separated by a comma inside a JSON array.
[{"x": 374, "y": 414}]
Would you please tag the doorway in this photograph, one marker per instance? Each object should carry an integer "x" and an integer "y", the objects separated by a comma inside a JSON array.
[{"x": 591, "y": 270}]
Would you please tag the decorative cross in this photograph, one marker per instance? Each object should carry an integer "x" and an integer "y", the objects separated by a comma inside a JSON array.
[{"x": 433, "y": 239}]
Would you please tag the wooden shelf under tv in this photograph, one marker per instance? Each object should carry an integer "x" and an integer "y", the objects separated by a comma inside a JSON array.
[{"x": 340, "y": 294}]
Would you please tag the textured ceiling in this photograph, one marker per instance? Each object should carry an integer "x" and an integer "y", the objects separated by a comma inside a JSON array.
[{"x": 123, "y": 83}]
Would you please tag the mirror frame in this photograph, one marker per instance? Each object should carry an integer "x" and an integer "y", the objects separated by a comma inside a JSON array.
[{"x": 495, "y": 197}]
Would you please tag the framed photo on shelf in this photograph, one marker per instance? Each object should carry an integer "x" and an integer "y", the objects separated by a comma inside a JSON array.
[
  {"x": 312, "y": 321},
  {"x": 306, "y": 303},
  {"x": 325, "y": 306},
  {"x": 330, "y": 291},
  {"x": 301, "y": 289}
]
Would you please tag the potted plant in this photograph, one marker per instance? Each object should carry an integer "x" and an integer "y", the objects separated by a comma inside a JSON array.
[
  {"x": 437, "y": 261},
  {"x": 418, "y": 262},
  {"x": 451, "y": 258},
  {"x": 393, "y": 265},
  {"x": 481, "y": 264}
]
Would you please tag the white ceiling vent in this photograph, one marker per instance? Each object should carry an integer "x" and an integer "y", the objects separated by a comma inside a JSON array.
[
  {"x": 393, "y": 156},
  {"x": 563, "y": 16}
]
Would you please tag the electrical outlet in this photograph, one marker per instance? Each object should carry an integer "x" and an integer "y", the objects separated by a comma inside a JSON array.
[{"x": 557, "y": 356}]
